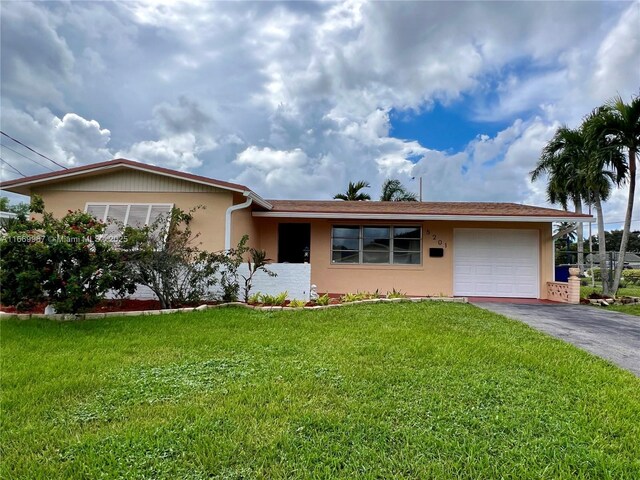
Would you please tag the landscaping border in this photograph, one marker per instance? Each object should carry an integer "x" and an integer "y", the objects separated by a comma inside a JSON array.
[{"x": 66, "y": 317}]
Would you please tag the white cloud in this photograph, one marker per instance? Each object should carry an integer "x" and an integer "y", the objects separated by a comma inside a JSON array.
[
  {"x": 80, "y": 140},
  {"x": 179, "y": 152},
  {"x": 293, "y": 99}
]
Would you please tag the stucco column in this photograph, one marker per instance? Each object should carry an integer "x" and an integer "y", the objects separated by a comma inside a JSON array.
[{"x": 574, "y": 286}]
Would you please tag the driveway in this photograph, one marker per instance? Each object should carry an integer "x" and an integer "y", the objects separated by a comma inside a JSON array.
[{"x": 608, "y": 334}]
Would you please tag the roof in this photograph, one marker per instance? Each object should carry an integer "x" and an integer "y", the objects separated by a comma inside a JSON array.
[
  {"x": 334, "y": 209},
  {"x": 24, "y": 185},
  {"x": 487, "y": 211}
]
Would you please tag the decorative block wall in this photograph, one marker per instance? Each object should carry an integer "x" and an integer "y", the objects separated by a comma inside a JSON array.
[
  {"x": 565, "y": 292},
  {"x": 294, "y": 278}
]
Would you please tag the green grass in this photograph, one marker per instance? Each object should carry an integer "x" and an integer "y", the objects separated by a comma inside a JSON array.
[
  {"x": 373, "y": 391},
  {"x": 630, "y": 309},
  {"x": 630, "y": 291}
]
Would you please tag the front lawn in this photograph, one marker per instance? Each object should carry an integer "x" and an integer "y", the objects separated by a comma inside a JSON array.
[
  {"x": 630, "y": 309},
  {"x": 630, "y": 291},
  {"x": 407, "y": 390}
]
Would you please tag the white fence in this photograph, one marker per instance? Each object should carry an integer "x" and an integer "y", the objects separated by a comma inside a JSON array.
[{"x": 294, "y": 278}]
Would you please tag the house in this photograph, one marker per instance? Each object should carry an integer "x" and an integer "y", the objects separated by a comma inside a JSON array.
[{"x": 420, "y": 248}]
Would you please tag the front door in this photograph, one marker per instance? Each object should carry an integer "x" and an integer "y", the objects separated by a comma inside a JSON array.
[{"x": 294, "y": 240}]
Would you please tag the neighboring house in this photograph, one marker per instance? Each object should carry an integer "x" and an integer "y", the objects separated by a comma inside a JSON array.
[{"x": 420, "y": 248}]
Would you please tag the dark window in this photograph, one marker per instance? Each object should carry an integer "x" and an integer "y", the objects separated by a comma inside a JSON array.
[
  {"x": 376, "y": 244},
  {"x": 294, "y": 242}
]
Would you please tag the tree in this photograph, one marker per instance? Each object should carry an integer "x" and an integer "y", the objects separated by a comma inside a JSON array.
[
  {"x": 230, "y": 261},
  {"x": 604, "y": 167},
  {"x": 613, "y": 239},
  {"x": 394, "y": 191},
  {"x": 257, "y": 262},
  {"x": 353, "y": 192},
  {"x": 21, "y": 208},
  {"x": 165, "y": 257},
  {"x": 618, "y": 124},
  {"x": 562, "y": 159},
  {"x": 62, "y": 261}
]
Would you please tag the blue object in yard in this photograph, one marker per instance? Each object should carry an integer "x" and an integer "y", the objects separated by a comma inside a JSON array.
[{"x": 562, "y": 273}]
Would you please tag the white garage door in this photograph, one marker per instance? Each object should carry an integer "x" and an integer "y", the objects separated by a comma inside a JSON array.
[{"x": 495, "y": 263}]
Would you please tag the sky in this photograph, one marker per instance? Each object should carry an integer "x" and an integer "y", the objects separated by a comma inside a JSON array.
[{"x": 296, "y": 99}]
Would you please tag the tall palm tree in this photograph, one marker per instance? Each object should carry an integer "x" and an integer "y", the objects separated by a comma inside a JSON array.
[
  {"x": 353, "y": 192},
  {"x": 561, "y": 160},
  {"x": 394, "y": 191},
  {"x": 567, "y": 231},
  {"x": 604, "y": 167},
  {"x": 618, "y": 124}
]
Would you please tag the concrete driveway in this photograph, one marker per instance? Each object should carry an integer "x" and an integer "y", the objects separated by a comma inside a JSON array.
[{"x": 608, "y": 334}]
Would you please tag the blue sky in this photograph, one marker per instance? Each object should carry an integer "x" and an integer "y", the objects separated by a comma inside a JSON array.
[
  {"x": 447, "y": 128},
  {"x": 296, "y": 99}
]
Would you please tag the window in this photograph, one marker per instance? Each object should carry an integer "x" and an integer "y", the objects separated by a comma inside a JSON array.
[
  {"x": 127, "y": 214},
  {"x": 376, "y": 244}
]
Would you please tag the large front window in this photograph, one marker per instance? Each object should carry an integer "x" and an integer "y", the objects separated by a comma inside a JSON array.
[
  {"x": 376, "y": 244},
  {"x": 118, "y": 215}
]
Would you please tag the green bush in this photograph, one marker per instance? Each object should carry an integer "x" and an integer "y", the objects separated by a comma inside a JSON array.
[
  {"x": 62, "y": 261},
  {"x": 273, "y": 300},
  {"x": 255, "y": 298},
  {"x": 323, "y": 300},
  {"x": 396, "y": 294},
  {"x": 297, "y": 303},
  {"x": 631, "y": 276},
  {"x": 166, "y": 257}
]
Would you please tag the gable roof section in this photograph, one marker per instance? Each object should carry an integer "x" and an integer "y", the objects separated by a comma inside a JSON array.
[
  {"x": 368, "y": 210},
  {"x": 24, "y": 185}
]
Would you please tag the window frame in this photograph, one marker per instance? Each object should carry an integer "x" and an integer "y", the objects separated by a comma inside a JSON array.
[
  {"x": 149, "y": 206},
  {"x": 392, "y": 229}
]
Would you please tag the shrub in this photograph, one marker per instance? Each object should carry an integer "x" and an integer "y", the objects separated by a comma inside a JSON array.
[
  {"x": 275, "y": 300},
  {"x": 396, "y": 294},
  {"x": 297, "y": 303},
  {"x": 632, "y": 276},
  {"x": 230, "y": 262},
  {"x": 352, "y": 297},
  {"x": 258, "y": 261},
  {"x": 166, "y": 257},
  {"x": 323, "y": 300},
  {"x": 62, "y": 261},
  {"x": 255, "y": 298}
]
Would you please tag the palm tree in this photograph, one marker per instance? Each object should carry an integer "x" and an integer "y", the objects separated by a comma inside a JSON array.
[
  {"x": 394, "y": 191},
  {"x": 567, "y": 231},
  {"x": 353, "y": 192},
  {"x": 605, "y": 166},
  {"x": 618, "y": 125},
  {"x": 561, "y": 160}
]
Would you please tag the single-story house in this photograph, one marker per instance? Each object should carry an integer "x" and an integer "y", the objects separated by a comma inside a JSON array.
[{"x": 419, "y": 248}]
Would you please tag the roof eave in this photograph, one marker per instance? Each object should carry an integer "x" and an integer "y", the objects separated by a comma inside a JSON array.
[
  {"x": 24, "y": 187},
  {"x": 424, "y": 217}
]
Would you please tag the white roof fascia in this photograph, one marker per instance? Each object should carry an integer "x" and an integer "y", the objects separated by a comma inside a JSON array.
[
  {"x": 258, "y": 199},
  {"x": 405, "y": 216}
]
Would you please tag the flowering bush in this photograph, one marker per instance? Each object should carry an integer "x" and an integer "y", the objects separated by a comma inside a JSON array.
[{"x": 62, "y": 261}]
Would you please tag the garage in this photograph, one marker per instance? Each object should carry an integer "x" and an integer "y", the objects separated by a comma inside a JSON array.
[{"x": 496, "y": 263}]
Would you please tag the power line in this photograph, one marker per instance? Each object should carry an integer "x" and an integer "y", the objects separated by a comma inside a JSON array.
[
  {"x": 11, "y": 167},
  {"x": 28, "y": 158},
  {"x": 29, "y": 148}
]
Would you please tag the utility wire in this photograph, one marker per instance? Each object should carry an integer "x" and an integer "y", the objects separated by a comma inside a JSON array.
[
  {"x": 11, "y": 167},
  {"x": 28, "y": 158},
  {"x": 29, "y": 148}
]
